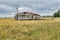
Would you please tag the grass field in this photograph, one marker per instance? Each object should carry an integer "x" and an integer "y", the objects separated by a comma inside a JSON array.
[{"x": 48, "y": 29}]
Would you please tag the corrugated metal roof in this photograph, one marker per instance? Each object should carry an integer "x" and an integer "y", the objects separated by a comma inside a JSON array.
[{"x": 29, "y": 13}]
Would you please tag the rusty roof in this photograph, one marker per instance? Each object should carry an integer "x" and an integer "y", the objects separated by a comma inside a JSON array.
[{"x": 30, "y": 13}]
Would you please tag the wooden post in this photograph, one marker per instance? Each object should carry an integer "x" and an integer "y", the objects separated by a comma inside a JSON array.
[{"x": 17, "y": 13}]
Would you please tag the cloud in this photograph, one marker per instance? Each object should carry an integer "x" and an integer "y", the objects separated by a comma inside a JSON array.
[
  {"x": 25, "y": 9},
  {"x": 6, "y": 9},
  {"x": 43, "y": 7}
]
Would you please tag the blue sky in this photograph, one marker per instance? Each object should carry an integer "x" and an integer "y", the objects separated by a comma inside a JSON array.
[{"x": 42, "y": 7}]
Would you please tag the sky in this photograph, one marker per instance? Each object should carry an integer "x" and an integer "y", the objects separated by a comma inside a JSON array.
[{"x": 42, "y": 7}]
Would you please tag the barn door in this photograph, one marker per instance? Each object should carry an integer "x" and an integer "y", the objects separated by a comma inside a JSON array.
[{"x": 33, "y": 17}]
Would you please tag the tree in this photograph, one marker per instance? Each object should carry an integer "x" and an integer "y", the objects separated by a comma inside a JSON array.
[{"x": 57, "y": 14}]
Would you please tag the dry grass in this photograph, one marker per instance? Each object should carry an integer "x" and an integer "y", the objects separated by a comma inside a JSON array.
[{"x": 48, "y": 29}]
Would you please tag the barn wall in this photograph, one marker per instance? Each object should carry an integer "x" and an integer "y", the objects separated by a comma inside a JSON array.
[
  {"x": 28, "y": 16},
  {"x": 36, "y": 17}
]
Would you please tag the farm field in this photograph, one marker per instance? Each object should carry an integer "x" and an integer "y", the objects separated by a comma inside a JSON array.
[{"x": 47, "y": 29}]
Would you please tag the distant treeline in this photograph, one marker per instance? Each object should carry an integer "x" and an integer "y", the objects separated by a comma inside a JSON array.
[
  {"x": 48, "y": 16},
  {"x": 57, "y": 14},
  {"x": 6, "y": 17}
]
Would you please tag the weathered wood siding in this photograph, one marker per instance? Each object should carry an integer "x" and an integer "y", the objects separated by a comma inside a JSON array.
[{"x": 27, "y": 16}]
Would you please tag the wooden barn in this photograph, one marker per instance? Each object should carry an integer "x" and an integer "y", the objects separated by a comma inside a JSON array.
[{"x": 27, "y": 16}]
